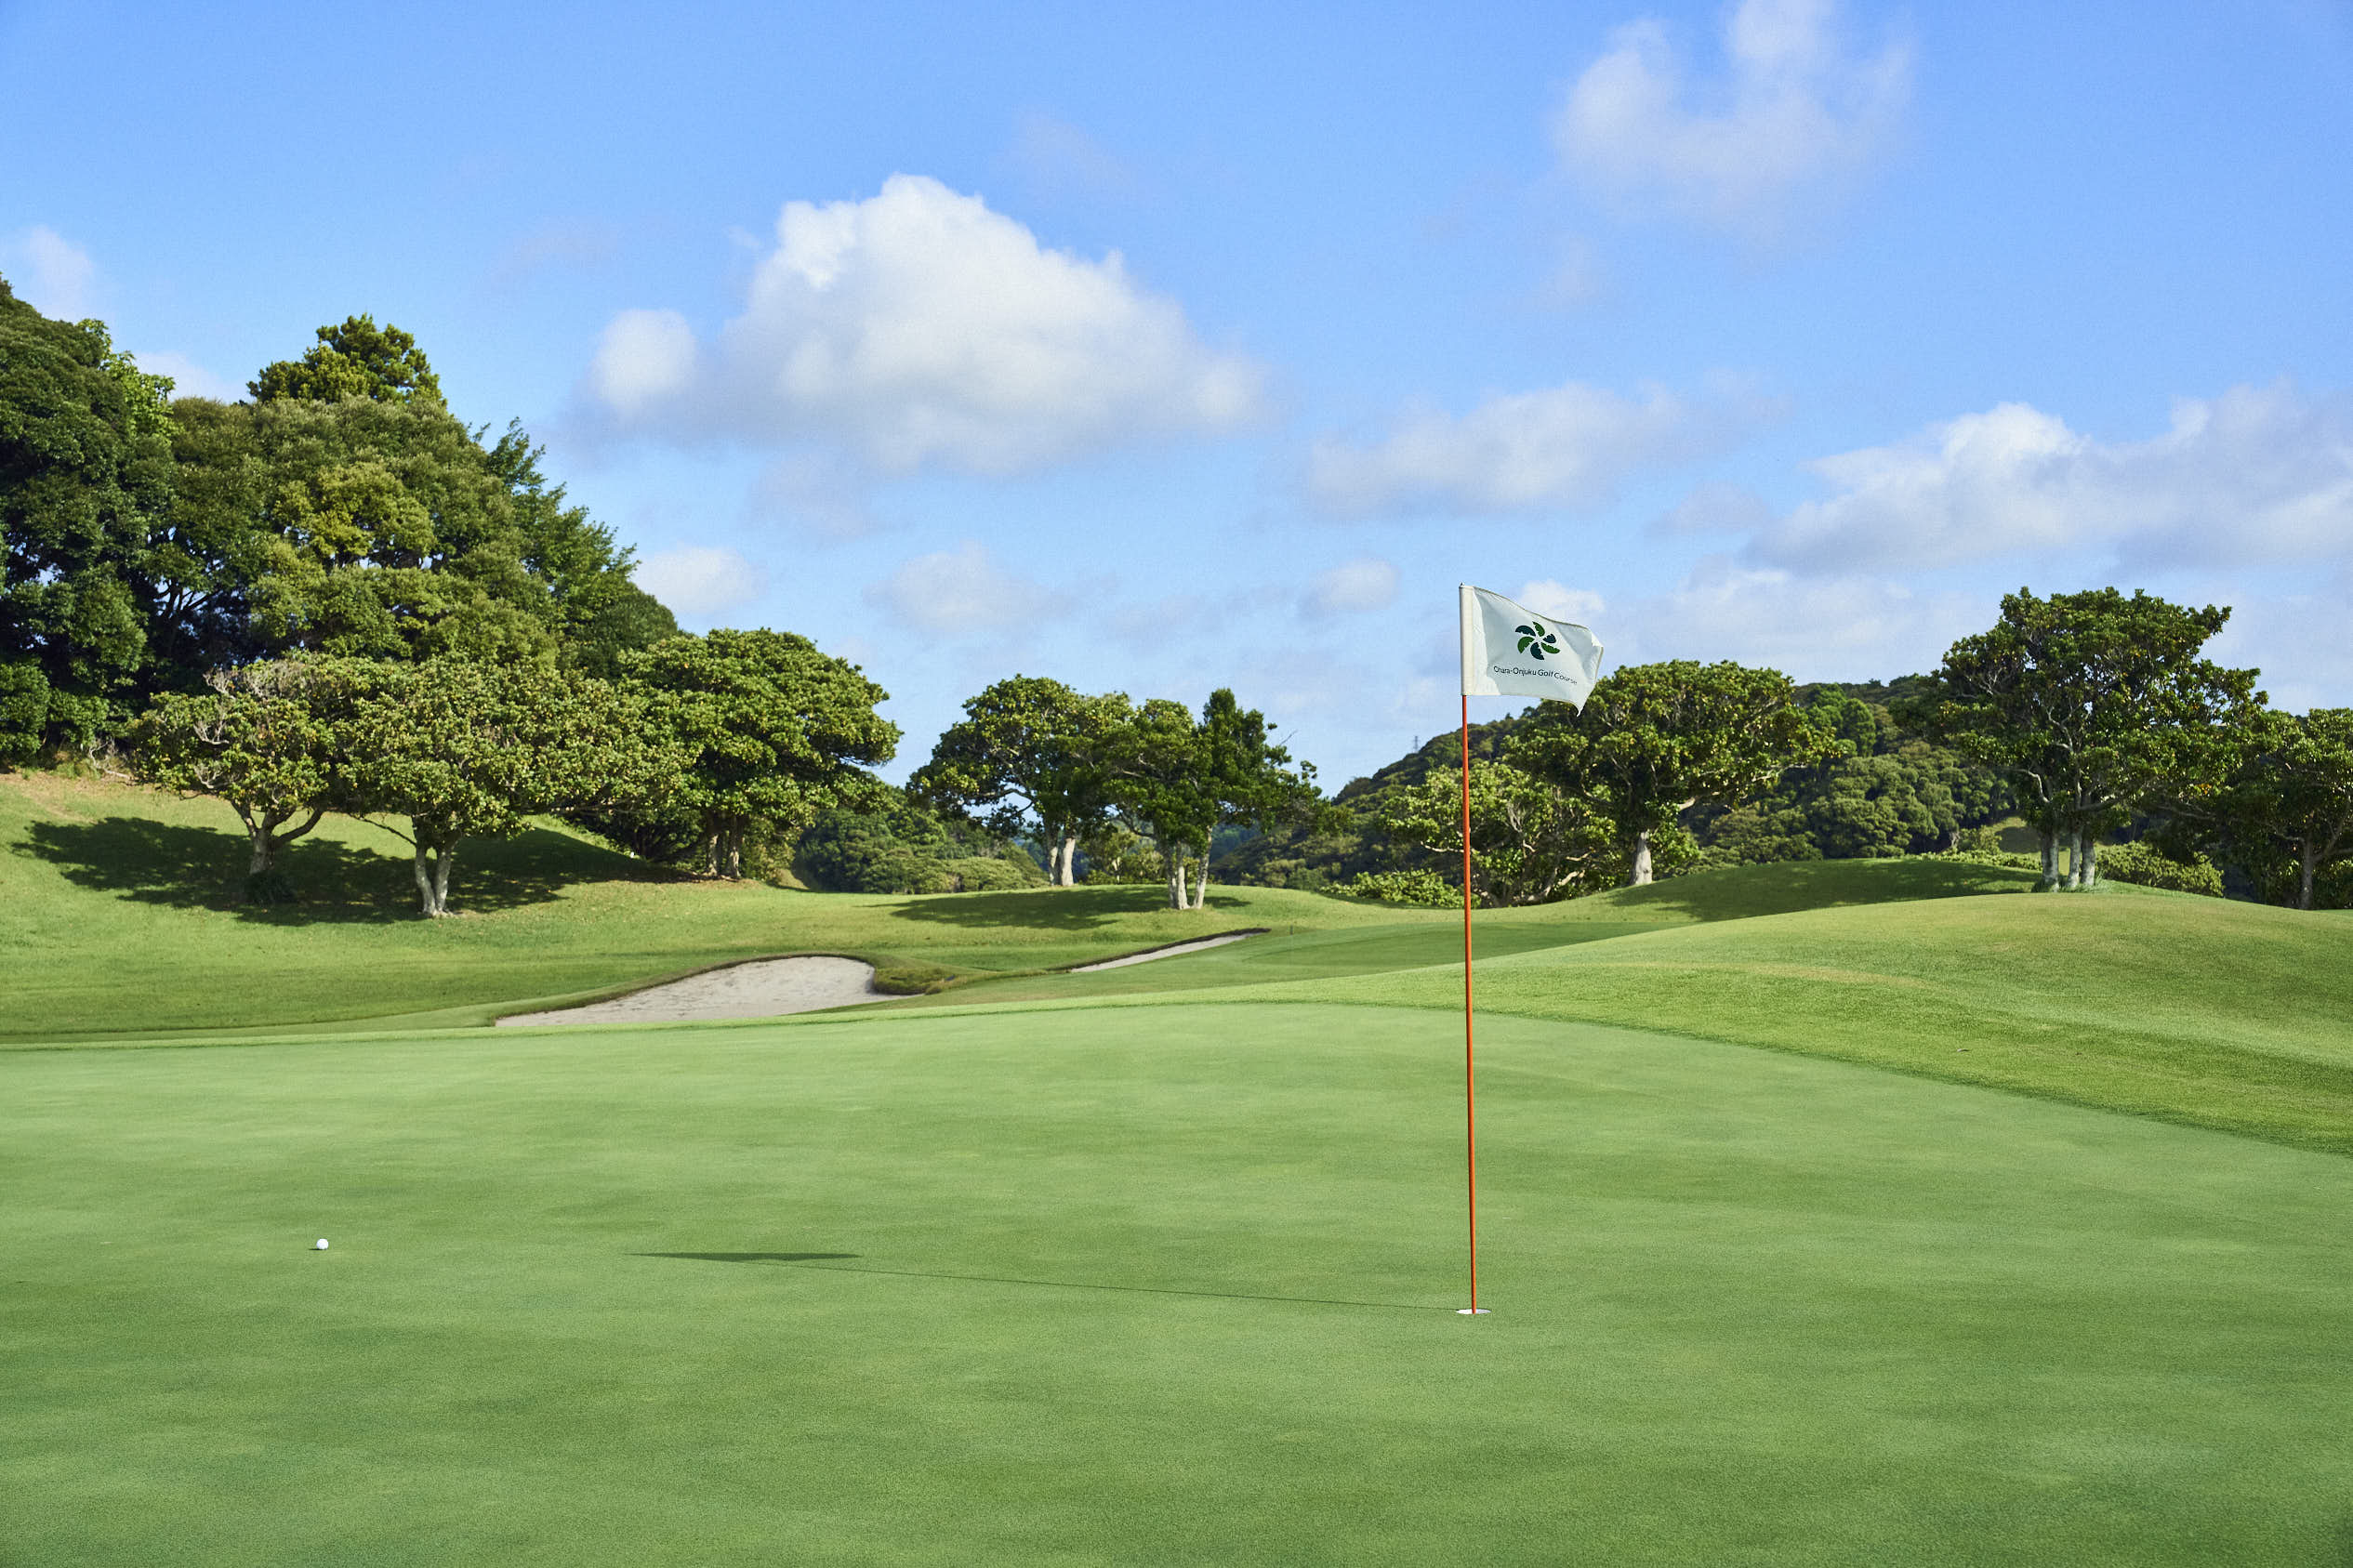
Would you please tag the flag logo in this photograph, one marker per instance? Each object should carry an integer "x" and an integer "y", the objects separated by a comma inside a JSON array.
[{"x": 1537, "y": 639}]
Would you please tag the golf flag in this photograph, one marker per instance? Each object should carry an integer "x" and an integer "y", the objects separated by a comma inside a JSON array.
[{"x": 1511, "y": 652}]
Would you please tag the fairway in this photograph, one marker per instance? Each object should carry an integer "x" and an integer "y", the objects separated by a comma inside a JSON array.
[{"x": 1160, "y": 1284}]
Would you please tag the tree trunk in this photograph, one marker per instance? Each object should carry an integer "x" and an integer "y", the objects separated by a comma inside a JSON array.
[
  {"x": 1176, "y": 879},
  {"x": 2088, "y": 845},
  {"x": 264, "y": 843},
  {"x": 1066, "y": 858},
  {"x": 1638, "y": 875},
  {"x": 727, "y": 854},
  {"x": 2309, "y": 867},
  {"x": 1201, "y": 887},
  {"x": 2050, "y": 858},
  {"x": 431, "y": 863}
]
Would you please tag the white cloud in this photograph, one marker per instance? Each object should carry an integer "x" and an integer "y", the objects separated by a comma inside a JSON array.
[
  {"x": 1566, "y": 447},
  {"x": 49, "y": 272},
  {"x": 643, "y": 358},
  {"x": 1352, "y": 587},
  {"x": 963, "y": 592},
  {"x": 701, "y": 581},
  {"x": 1578, "y": 606},
  {"x": 918, "y": 328},
  {"x": 1794, "y": 112},
  {"x": 1850, "y": 626},
  {"x": 2258, "y": 474},
  {"x": 189, "y": 379}
]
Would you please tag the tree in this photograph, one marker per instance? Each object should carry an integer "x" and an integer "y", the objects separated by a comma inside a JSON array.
[
  {"x": 2093, "y": 705},
  {"x": 2286, "y": 813},
  {"x": 1250, "y": 780},
  {"x": 1655, "y": 740},
  {"x": 355, "y": 360},
  {"x": 1529, "y": 842},
  {"x": 1032, "y": 756},
  {"x": 1159, "y": 783},
  {"x": 84, "y": 474},
  {"x": 769, "y": 729},
  {"x": 467, "y": 750},
  {"x": 268, "y": 739}
]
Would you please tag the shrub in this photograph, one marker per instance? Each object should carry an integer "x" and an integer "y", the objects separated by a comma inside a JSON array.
[
  {"x": 1424, "y": 887},
  {"x": 2144, "y": 865}
]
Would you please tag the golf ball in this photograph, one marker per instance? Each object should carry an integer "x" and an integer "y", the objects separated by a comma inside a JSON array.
[{"x": 321, "y": 1246}]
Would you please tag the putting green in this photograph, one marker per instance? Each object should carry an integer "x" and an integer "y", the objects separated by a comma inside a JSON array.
[{"x": 1145, "y": 1285}]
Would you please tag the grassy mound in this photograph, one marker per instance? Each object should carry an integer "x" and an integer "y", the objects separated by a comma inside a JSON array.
[{"x": 1152, "y": 1286}]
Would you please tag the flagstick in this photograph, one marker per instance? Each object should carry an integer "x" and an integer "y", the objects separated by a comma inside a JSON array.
[{"x": 1470, "y": 1115}]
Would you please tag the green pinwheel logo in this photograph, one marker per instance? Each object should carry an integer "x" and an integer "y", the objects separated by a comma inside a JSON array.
[{"x": 1537, "y": 639}]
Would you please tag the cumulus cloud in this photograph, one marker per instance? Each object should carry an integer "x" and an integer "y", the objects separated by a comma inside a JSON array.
[
  {"x": 1793, "y": 112},
  {"x": 1352, "y": 587},
  {"x": 918, "y": 328},
  {"x": 1716, "y": 509},
  {"x": 963, "y": 592},
  {"x": 701, "y": 581},
  {"x": 49, "y": 272},
  {"x": 644, "y": 358},
  {"x": 1566, "y": 446},
  {"x": 2258, "y": 474}
]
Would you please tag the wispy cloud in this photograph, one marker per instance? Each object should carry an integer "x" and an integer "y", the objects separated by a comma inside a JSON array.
[
  {"x": 1793, "y": 113},
  {"x": 1564, "y": 447},
  {"x": 701, "y": 581},
  {"x": 964, "y": 592},
  {"x": 50, "y": 273}
]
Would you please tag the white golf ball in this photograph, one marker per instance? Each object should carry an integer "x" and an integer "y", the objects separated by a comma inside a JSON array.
[{"x": 321, "y": 1246}]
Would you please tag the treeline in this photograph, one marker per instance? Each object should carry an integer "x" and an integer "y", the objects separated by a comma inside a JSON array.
[{"x": 335, "y": 596}]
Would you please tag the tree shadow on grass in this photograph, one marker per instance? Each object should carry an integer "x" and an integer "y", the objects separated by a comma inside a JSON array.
[
  {"x": 180, "y": 867},
  {"x": 837, "y": 1268},
  {"x": 1738, "y": 892},
  {"x": 1052, "y": 909}
]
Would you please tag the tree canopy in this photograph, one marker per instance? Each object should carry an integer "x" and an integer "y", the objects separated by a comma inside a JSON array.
[
  {"x": 356, "y": 358},
  {"x": 1031, "y": 756},
  {"x": 1653, "y": 740},
  {"x": 2093, "y": 705},
  {"x": 770, "y": 732}
]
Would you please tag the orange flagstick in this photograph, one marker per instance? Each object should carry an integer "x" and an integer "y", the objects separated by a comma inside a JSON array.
[
  {"x": 1470, "y": 1100},
  {"x": 1508, "y": 651}
]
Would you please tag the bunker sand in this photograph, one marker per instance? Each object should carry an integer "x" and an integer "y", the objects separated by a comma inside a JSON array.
[{"x": 762, "y": 988}]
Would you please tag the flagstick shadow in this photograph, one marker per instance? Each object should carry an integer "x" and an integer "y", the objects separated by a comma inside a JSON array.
[{"x": 832, "y": 1267}]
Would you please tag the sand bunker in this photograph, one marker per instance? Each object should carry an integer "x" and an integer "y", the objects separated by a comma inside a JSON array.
[
  {"x": 763, "y": 988},
  {"x": 1173, "y": 950}
]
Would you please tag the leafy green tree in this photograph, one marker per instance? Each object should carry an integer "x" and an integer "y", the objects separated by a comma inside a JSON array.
[
  {"x": 357, "y": 359},
  {"x": 1157, "y": 784},
  {"x": 1529, "y": 842},
  {"x": 2093, "y": 705},
  {"x": 904, "y": 847},
  {"x": 2286, "y": 812},
  {"x": 1031, "y": 755},
  {"x": 84, "y": 475},
  {"x": 1655, "y": 740},
  {"x": 1179, "y": 779},
  {"x": 468, "y": 750},
  {"x": 770, "y": 728},
  {"x": 268, "y": 740}
]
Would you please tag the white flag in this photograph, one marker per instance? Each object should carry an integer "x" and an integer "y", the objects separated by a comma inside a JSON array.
[{"x": 1510, "y": 651}]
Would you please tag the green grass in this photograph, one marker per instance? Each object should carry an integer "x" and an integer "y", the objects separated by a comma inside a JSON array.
[
  {"x": 2019, "y": 1240},
  {"x": 1163, "y": 1285}
]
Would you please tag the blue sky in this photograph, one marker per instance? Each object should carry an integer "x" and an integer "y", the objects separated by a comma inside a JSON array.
[{"x": 1161, "y": 348}]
